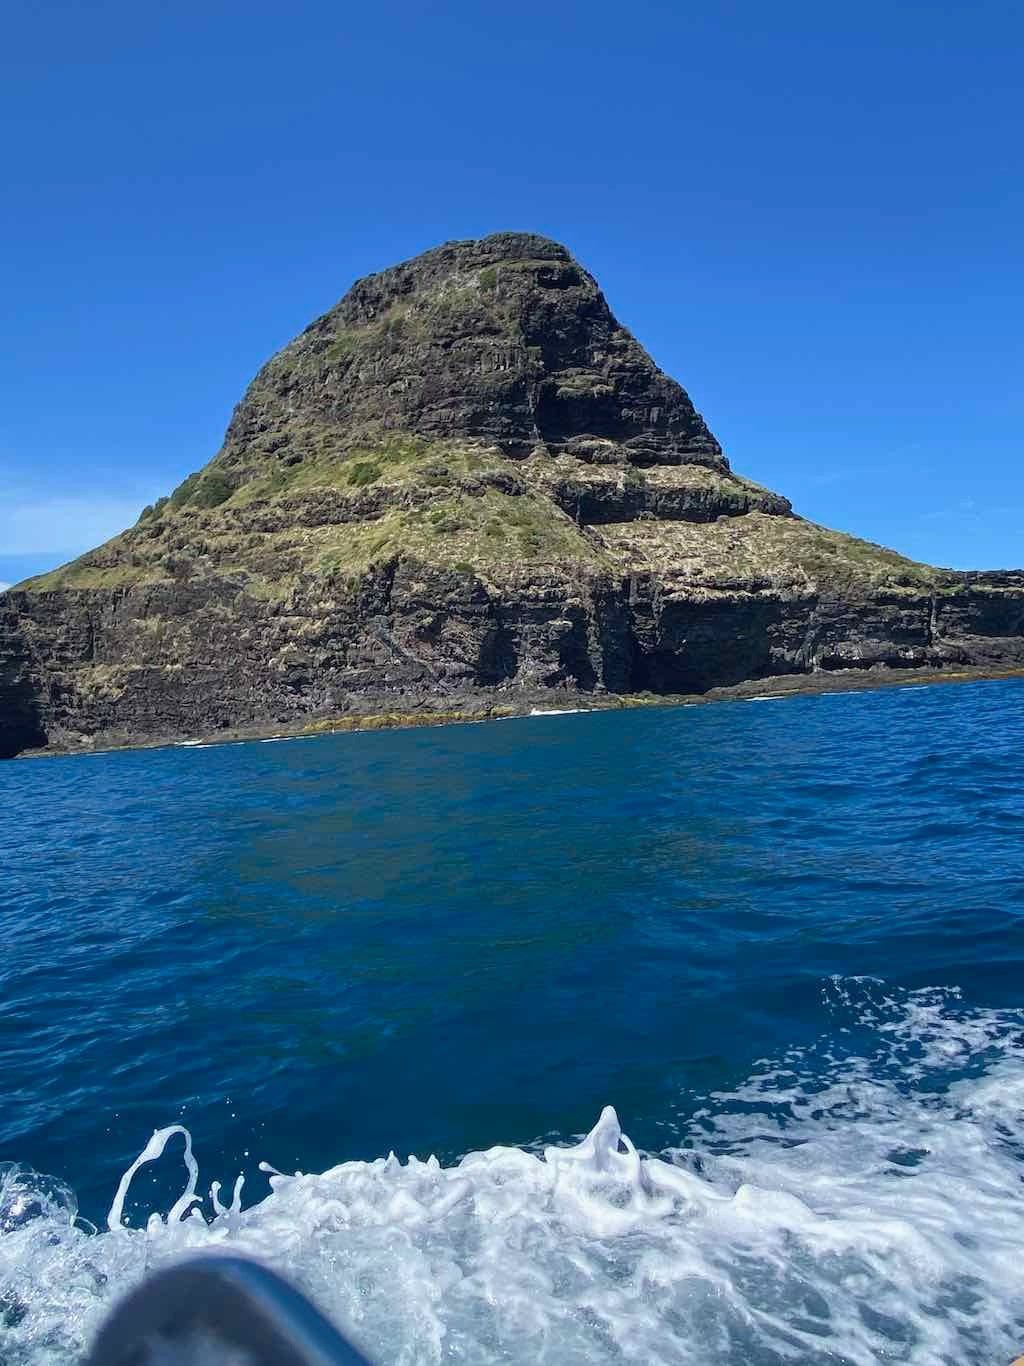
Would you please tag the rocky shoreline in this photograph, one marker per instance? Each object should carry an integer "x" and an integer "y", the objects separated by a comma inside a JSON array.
[{"x": 477, "y": 708}]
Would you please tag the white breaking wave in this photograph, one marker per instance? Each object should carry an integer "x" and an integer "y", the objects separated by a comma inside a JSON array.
[{"x": 861, "y": 1203}]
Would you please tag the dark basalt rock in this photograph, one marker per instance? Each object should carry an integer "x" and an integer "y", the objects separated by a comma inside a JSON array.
[
  {"x": 466, "y": 482},
  {"x": 21, "y": 709},
  {"x": 506, "y": 340}
]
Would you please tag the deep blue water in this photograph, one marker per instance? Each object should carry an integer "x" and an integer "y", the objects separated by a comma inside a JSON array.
[{"x": 441, "y": 939}]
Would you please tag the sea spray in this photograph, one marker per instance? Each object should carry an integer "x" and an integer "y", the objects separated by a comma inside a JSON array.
[{"x": 861, "y": 1199}]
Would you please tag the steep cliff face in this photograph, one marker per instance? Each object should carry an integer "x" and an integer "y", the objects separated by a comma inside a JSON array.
[{"x": 467, "y": 479}]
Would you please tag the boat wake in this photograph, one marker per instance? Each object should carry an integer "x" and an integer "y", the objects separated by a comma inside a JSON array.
[{"x": 859, "y": 1200}]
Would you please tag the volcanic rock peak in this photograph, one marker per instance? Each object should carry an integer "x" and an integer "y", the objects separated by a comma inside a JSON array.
[
  {"x": 465, "y": 482},
  {"x": 506, "y": 340}
]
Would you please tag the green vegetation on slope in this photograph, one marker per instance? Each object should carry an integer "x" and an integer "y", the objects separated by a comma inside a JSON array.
[
  {"x": 758, "y": 550},
  {"x": 465, "y": 506},
  {"x": 435, "y": 504}
]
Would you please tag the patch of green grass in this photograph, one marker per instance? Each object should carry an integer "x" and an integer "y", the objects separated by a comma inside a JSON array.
[
  {"x": 211, "y": 490},
  {"x": 79, "y": 575},
  {"x": 454, "y": 305},
  {"x": 764, "y": 549},
  {"x": 204, "y": 489},
  {"x": 457, "y": 519},
  {"x": 181, "y": 495},
  {"x": 345, "y": 344},
  {"x": 394, "y": 325},
  {"x": 394, "y": 457},
  {"x": 529, "y": 264},
  {"x": 478, "y": 532},
  {"x": 361, "y": 473},
  {"x": 153, "y": 510}
]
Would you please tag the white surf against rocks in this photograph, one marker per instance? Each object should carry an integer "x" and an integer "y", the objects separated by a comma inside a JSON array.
[{"x": 861, "y": 1202}]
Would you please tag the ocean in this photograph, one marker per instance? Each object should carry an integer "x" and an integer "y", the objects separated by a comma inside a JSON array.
[{"x": 673, "y": 1035}]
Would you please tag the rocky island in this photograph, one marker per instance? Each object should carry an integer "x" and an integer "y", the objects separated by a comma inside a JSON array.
[{"x": 465, "y": 488}]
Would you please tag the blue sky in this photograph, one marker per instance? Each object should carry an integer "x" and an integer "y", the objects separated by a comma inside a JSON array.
[{"x": 811, "y": 214}]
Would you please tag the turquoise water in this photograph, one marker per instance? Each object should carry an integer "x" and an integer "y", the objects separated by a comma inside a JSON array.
[{"x": 783, "y": 939}]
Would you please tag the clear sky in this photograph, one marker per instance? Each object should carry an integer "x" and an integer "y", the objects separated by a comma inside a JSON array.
[{"x": 812, "y": 214}]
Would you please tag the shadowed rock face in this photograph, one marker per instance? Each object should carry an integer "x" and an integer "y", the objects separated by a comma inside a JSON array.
[
  {"x": 21, "y": 721},
  {"x": 467, "y": 480}
]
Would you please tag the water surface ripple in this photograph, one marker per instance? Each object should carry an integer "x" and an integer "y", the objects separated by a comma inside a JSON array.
[{"x": 741, "y": 925}]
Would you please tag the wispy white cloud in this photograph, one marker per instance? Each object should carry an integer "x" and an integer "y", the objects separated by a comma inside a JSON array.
[
  {"x": 63, "y": 526},
  {"x": 4, "y": 587}
]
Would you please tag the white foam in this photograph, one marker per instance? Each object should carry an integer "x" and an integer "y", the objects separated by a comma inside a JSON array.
[{"x": 864, "y": 1204}]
